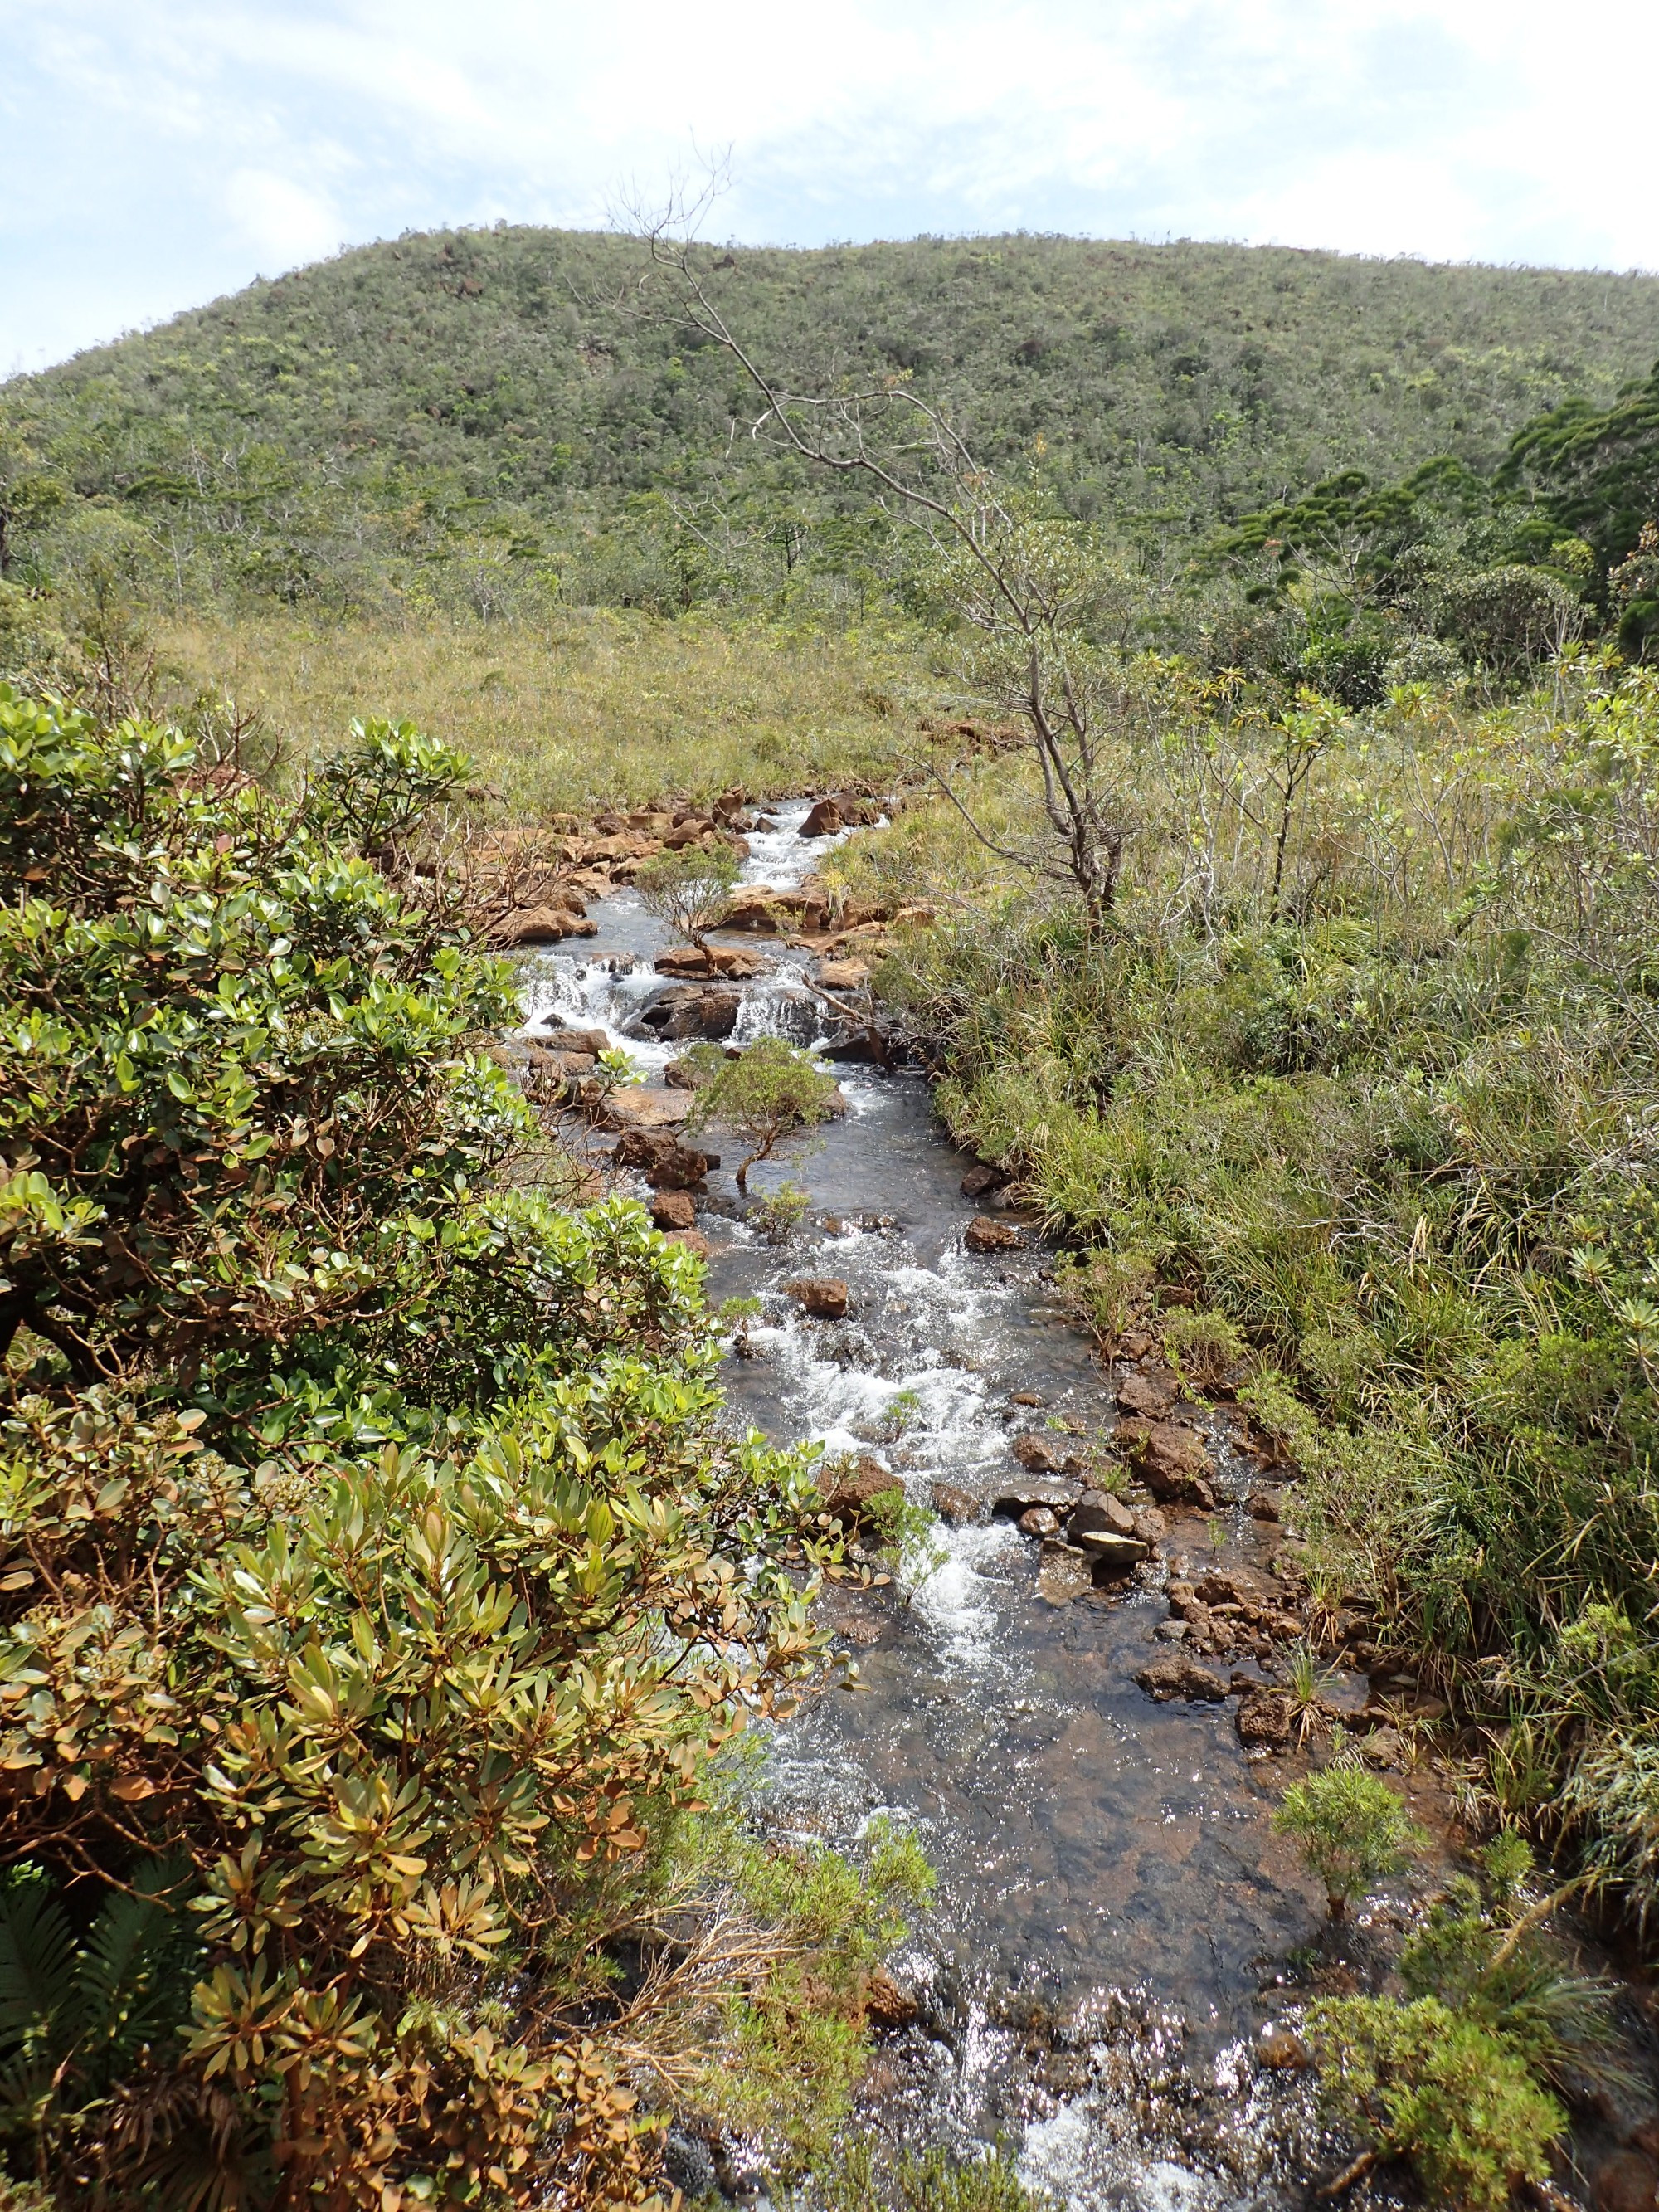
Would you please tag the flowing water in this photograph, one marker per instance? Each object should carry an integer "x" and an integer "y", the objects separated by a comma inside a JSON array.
[{"x": 1114, "y": 1912}]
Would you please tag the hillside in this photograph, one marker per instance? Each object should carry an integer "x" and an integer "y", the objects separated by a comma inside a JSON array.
[{"x": 474, "y": 418}]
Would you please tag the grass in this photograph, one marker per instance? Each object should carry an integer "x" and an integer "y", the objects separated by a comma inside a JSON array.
[{"x": 587, "y": 709}]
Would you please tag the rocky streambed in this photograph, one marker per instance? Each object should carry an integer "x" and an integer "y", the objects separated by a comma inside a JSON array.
[{"x": 1085, "y": 1708}]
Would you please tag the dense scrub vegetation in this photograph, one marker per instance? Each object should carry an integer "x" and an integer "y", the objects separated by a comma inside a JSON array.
[
  {"x": 378, "y": 1585},
  {"x": 487, "y": 420}
]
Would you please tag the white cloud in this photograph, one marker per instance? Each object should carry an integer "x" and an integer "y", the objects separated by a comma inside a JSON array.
[
  {"x": 284, "y": 222},
  {"x": 1452, "y": 128}
]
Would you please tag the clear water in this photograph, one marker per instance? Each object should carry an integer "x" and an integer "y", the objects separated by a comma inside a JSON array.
[{"x": 1112, "y": 1903}]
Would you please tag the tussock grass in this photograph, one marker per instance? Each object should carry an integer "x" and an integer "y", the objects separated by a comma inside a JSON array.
[{"x": 589, "y": 708}]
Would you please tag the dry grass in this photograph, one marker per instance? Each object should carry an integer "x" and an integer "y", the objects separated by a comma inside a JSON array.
[{"x": 589, "y": 708}]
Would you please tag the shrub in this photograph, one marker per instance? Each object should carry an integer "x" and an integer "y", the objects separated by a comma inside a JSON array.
[
  {"x": 1351, "y": 1828},
  {"x": 769, "y": 1090},
  {"x": 371, "y": 1553},
  {"x": 687, "y": 890},
  {"x": 1205, "y": 1349},
  {"x": 1416, "y": 2081}
]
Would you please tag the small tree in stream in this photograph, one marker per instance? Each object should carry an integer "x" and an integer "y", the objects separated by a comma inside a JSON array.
[
  {"x": 688, "y": 891},
  {"x": 1351, "y": 1828},
  {"x": 765, "y": 1093}
]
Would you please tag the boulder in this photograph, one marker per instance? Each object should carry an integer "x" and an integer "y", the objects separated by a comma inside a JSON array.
[
  {"x": 673, "y": 1209},
  {"x": 1150, "y": 1525},
  {"x": 843, "y": 974},
  {"x": 823, "y": 821},
  {"x": 979, "y": 1180},
  {"x": 665, "y": 1164},
  {"x": 644, "y": 1109},
  {"x": 693, "y": 1239},
  {"x": 955, "y": 1505},
  {"x": 560, "y": 1066},
  {"x": 542, "y": 925},
  {"x": 755, "y": 907},
  {"x": 1063, "y": 1573},
  {"x": 1039, "y": 1521},
  {"x": 628, "y": 846},
  {"x": 729, "y": 961},
  {"x": 983, "y": 1235},
  {"x": 1038, "y": 1455},
  {"x": 854, "y": 1486},
  {"x": 1262, "y": 1506},
  {"x": 682, "y": 1011},
  {"x": 1115, "y": 1553},
  {"x": 824, "y": 1296},
  {"x": 591, "y": 1042},
  {"x": 1150, "y": 1396},
  {"x": 1170, "y": 1460},
  {"x": 1178, "y": 1676},
  {"x": 1264, "y": 1717}
]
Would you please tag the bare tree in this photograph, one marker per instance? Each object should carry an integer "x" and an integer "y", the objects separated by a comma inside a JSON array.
[{"x": 1049, "y": 609}]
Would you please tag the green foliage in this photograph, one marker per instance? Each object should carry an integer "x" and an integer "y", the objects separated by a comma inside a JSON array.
[
  {"x": 687, "y": 890},
  {"x": 768, "y": 1090},
  {"x": 935, "y": 2180},
  {"x": 465, "y": 417},
  {"x": 371, "y": 1547},
  {"x": 1351, "y": 1827},
  {"x": 1419, "y": 2081},
  {"x": 1206, "y": 1350},
  {"x": 780, "y": 1212}
]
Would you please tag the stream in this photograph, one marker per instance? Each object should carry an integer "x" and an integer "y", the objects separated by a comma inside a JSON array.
[{"x": 1114, "y": 1914}]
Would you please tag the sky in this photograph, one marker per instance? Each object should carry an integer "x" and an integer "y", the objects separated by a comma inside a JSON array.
[{"x": 163, "y": 152}]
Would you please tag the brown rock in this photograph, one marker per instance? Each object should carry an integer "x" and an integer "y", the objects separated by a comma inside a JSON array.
[
  {"x": 955, "y": 1505},
  {"x": 755, "y": 907},
  {"x": 1262, "y": 1506},
  {"x": 979, "y": 1180},
  {"x": 1037, "y": 1455},
  {"x": 885, "y": 2004},
  {"x": 824, "y": 1296},
  {"x": 1024, "y": 1398},
  {"x": 1171, "y": 1460},
  {"x": 665, "y": 1163},
  {"x": 683, "y": 1010},
  {"x": 1264, "y": 1717},
  {"x": 1627, "y": 2182},
  {"x": 1063, "y": 1573},
  {"x": 823, "y": 821},
  {"x": 644, "y": 1109},
  {"x": 542, "y": 925},
  {"x": 1040, "y": 1521},
  {"x": 693, "y": 1239},
  {"x": 843, "y": 974},
  {"x": 730, "y": 961},
  {"x": 1150, "y": 1396},
  {"x": 672, "y": 1209},
  {"x": 1014, "y": 1496},
  {"x": 854, "y": 1486},
  {"x": 628, "y": 846},
  {"x": 1150, "y": 1525},
  {"x": 591, "y": 1042},
  {"x": 1097, "y": 1513},
  {"x": 1181, "y": 1677},
  {"x": 983, "y": 1235},
  {"x": 1281, "y": 2051}
]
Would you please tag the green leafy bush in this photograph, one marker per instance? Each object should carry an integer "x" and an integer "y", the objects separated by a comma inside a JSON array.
[
  {"x": 371, "y": 1549},
  {"x": 1352, "y": 1829},
  {"x": 768, "y": 1090},
  {"x": 1416, "y": 2081}
]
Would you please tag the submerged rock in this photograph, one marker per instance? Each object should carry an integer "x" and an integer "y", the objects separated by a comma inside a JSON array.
[
  {"x": 1063, "y": 1573},
  {"x": 1181, "y": 1677},
  {"x": 955, "y": 1505}
]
